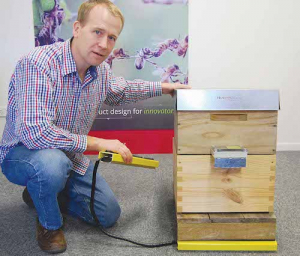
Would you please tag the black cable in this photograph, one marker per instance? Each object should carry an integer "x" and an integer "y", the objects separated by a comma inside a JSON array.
[{"x": 102, "y": 229}]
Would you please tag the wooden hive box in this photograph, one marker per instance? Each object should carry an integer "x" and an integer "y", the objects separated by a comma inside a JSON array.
[
  {"x": 206, "y": 118},
  {"x": 231, "y": 226}
]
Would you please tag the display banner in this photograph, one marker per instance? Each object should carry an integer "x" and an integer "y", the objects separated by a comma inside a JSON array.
[{"x": 153, "y": 46}]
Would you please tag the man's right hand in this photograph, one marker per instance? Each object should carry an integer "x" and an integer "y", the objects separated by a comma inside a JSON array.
[{"x": 98, "y": 144}]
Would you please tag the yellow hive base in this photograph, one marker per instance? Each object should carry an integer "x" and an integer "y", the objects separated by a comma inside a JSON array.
[{"x": 227, "y": 245}]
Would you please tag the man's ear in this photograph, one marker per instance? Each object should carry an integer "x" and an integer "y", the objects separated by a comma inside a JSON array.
[{"x": 76, "y": 28}]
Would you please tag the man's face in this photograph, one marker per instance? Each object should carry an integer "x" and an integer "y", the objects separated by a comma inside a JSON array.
[{"x": 97, "y": 38}]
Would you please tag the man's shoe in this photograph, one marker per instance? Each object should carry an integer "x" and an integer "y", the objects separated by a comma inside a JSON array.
[
  {"x": 27, "y": 199},
  {"x": 62, "y": 201},
  {"x": 50, "y": 241}
]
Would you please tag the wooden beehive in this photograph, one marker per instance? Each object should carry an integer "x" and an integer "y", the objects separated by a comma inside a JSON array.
[{"x": 206, "y": 118}]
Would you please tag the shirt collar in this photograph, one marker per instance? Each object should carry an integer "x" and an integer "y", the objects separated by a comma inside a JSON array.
[
  {"x": 69, "y": 65},
  {"x": 93, "y": 72}
]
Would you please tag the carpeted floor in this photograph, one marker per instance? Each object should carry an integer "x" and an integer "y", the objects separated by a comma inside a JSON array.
[{"x": 146, "y": 198}]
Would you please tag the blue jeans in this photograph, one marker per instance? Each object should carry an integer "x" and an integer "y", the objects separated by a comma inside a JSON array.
[{"x": 47, "y": 172}]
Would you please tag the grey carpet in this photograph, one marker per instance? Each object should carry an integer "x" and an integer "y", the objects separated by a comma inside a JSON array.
[{"x": 146, "y": 198}]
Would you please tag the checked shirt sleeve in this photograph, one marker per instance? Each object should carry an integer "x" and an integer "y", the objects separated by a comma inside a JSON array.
[
  {"x": 121, "y": 91},
  {"x": 36, "y": 112}
]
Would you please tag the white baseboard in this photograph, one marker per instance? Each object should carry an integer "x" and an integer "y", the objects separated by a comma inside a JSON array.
[{"x": 288, "y": 147}]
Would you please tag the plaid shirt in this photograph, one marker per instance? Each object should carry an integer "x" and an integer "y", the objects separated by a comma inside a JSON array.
[{"x": 49, "y": 106}]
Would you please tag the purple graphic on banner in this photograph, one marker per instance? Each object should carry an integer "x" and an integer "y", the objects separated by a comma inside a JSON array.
[
  {"x": 116, "y": 54},
  {"x": 168, "y": 74},
  {"x": 48, "y": 17}
]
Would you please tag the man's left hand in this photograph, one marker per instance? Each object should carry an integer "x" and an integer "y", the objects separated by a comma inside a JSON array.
[{"x": 168, "y": 88}]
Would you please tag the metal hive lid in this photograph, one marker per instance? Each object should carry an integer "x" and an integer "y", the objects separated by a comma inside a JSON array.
[{"x": 237, "y": 99}]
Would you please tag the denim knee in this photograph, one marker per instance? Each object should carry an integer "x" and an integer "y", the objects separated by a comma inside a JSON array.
[
  {"x": 112, "y": 213},
  {"x": 52, "y": 168}
]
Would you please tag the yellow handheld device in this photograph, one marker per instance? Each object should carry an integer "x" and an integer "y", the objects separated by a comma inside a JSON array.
[{"x": 111, "y": 157}]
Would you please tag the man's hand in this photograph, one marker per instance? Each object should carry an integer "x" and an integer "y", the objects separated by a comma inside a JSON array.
[
  {"x": 97, "y": 144},
  {"x": 168, "y": 88}
]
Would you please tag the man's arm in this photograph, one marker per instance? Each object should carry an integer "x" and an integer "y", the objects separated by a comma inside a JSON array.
[
  {"x": 121, "y": 91},
  {"x": 98, "y": 144}
]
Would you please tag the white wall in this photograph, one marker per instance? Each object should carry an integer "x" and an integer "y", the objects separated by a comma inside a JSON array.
[
  {"x": 233, "y": 44},
  {"x": 250, "y": 44},
  {"x": 16, "y": 40}
]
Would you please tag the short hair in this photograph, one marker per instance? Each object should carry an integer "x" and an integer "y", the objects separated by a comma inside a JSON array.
[{"x": 87, "y": 6}]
